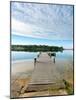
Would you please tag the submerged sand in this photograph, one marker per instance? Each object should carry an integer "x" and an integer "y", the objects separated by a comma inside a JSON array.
[
  {"x": 20, "y": 76},
  {"x": 22, "y": 66}
]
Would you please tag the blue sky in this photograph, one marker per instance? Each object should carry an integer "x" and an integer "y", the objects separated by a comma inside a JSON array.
[{"x": 42, "y": 24}]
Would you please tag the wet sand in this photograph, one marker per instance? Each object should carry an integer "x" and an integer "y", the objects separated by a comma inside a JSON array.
[{"x": 20, "y": 76}]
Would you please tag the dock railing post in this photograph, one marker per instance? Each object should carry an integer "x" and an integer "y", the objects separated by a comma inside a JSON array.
[
  {"x": 54, "y": 60},
  {"x": 35, "y": 59}
]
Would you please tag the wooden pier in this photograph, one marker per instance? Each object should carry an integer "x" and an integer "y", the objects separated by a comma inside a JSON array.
[{"x": 44, "y": 75}]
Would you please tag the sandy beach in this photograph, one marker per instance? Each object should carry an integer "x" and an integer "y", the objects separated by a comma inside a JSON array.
[
  {"x": 22, "y": 66},
  {"x": 20, "y": 76},
  {"x": 25, "y": 73}
]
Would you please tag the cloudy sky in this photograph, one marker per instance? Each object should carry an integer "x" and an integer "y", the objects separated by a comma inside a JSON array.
[{"x": 42, "y": 24}]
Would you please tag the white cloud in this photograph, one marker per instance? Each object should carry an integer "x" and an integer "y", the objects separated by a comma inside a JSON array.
[
  {"x": 25, "y": 29},
  {"x": 20, "y": 27},
  {"x": 43, "y": 21}
]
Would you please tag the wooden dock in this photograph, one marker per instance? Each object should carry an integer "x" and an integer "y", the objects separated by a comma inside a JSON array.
[{"x": 45, "y": 75}]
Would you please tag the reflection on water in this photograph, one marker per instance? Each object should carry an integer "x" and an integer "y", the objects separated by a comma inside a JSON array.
[
  {"x": 23, "y": 55},
  {"x": 66, "y": 54}
]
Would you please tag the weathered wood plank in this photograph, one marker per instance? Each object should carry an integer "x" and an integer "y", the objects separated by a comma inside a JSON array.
[{"x": 44, "y": 75}]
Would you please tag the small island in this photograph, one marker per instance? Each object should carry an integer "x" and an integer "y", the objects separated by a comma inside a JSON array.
[{"x": 36, "y": 48}]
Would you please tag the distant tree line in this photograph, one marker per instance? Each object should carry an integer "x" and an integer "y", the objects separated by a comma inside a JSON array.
[{"x": 36, "y": 48}]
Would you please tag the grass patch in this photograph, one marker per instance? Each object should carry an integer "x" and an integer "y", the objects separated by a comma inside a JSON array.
[
  {"x": 68, "y": 87},
  {"x": 54, "y": 90}
]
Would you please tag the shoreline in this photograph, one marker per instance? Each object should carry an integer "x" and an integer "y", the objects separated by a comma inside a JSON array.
[
  {"x": 20, "y": 76},
  {"x": 22, "y": 67},
  {"x": 20, "y": 61}
]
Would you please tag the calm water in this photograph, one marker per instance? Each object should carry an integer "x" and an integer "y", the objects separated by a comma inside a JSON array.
[
  {"x": 16, "y": 56},
  {"x": 66, "y": 54}
]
